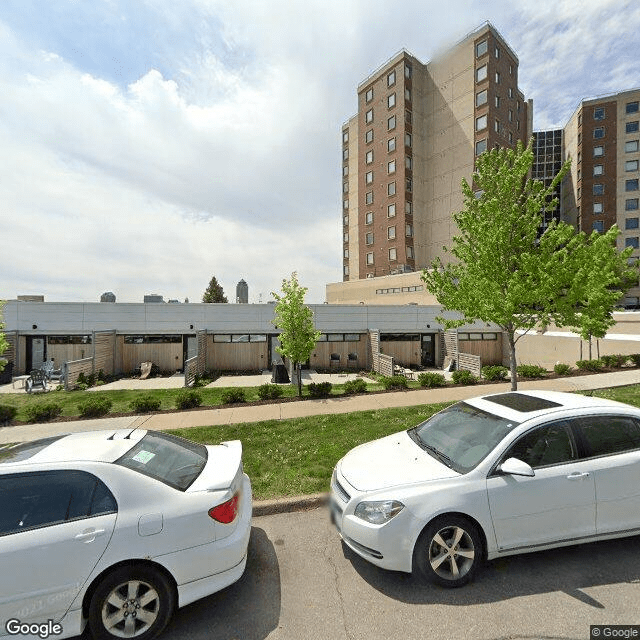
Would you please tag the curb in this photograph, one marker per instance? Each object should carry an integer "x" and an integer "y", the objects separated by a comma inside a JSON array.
[{"x": 288, "y": 505}]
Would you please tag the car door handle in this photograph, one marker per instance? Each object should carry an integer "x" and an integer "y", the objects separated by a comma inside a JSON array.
[
  {"x": 578, "y": 475},
  {"x": 89, "y": 536}
]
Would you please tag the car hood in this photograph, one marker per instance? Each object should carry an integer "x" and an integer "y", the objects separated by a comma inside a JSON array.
[{"x": 390, "y": 462}]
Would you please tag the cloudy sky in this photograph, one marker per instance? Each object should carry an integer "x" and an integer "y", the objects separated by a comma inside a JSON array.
[{"x": 146, "y": 145}]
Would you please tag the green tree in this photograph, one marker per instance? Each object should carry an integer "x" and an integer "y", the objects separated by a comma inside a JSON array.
[
  {"x": 214, "y": 292},
  {"x": 505, "y": 272},
  {"x": 298, "y": 336},
  {"x": 4, "y": 345}
]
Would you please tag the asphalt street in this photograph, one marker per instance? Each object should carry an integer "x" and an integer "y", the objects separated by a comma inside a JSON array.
[{"x": 302, "y": 583}]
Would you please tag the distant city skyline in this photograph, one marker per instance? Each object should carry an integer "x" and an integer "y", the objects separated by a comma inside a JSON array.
[{"x": 147, "y": 146}]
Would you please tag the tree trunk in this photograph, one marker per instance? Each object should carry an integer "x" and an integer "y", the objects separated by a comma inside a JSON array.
[
  {"x": 298, "y": 368},
  {"x": 512, "y": 359}
]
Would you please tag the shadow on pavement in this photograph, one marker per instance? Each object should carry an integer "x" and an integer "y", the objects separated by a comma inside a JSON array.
[{"x": 568, "y": 569}]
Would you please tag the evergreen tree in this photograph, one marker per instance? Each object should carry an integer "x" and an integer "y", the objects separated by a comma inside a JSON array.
[{"x": 214, "y": 292}]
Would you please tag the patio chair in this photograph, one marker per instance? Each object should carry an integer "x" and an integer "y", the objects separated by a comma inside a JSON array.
[
  {"x": 352, "y": 360},
  {"x": 37, "y": 380},
  {"x": 334, "y": 360}
]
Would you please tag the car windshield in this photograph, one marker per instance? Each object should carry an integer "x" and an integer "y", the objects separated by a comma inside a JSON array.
[
  {"x": 172, "y": 460},
  {"x": 461, "y": 436}
]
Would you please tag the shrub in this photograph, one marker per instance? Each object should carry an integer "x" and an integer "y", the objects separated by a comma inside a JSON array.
[
  {"x": 462, "y": 376},
  {"x": 494, "y": 372},
  {"x": 91, "y": 379},
  {"x": 7, "y": 413},
  {"x": 144, "y": 404},
  {"x": 188, "y": 399},
  {"x": 589, "y": 365},
  {"x": 430, "y": 379},
  {"x": 320, "y": 389},
  {"x": 394, "y": 382},
  {"x": 561, "y": 369},
  {"x": 269, "y": 391},
  {"x": 635, "y": 359},
  {"x": 531, "y": 371},
  {"x": 351, "y": 387},
  {"x": 614, "y": 361},
  {"x": 101, "y": 377},
  {"x": 231, "y": 396},
  {"x": 95, "y": 407},
  {"x": 43, "y": 411}
]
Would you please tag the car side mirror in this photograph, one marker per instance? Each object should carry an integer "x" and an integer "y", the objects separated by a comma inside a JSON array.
[{"x": 515, "y": 467}]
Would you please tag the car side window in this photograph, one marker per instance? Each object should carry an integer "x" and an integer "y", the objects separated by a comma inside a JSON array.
[
  {"x": 543, "y": 446},
  {"x": 33, "y": 500},
  {"x": 604, "y": 435}
]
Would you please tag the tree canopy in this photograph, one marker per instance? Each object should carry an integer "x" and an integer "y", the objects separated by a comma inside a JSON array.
[
  {"x": 508, "y": 271},
  {"x": 298, "y": 336},
  {"x": 214, "y": 292},
  {"x": 4, "y": 345}
]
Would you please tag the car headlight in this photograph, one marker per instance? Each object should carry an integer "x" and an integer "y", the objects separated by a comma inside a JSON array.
[{"x": 378, "y": 512}]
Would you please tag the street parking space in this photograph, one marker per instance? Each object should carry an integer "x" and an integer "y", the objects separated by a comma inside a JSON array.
[{"x": 302, "y": 583}]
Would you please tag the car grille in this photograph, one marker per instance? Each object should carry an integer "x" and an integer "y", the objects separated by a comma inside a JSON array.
[{"x": 340, "y": 490}]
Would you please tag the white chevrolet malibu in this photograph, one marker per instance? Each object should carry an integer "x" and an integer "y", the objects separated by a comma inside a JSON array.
[
  {"x": 117, "y": 528},
  {"x": 489, "y": 477}
]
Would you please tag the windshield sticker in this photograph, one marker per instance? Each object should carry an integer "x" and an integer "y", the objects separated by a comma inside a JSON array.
[{"x": 143, "y": 456}]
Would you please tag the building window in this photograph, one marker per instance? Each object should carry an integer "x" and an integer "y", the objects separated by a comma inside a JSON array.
[
  {"x": 368, "y": 118},
  {"x": 597, "y": 207},
  {"x": 391, "y": 123},
  {"x": 368, "y": 217},
  {"x": 409, "y": 252},
  {"x": 407, "y": 139},
  {"x": 345, "y": 220},
  {"x": 391, "y": 233},
  {"x": 632, "y": 127},
  {"x": 391, "y": 101},
  {"x": 497, "y": 126},
  {"x": 482, "y": 48},
  {"x": 407, "y": 117},
  {"x": 631, "y": 165},
  {"x": 481, "y": 98},
  {"x": 345, "y": 136},
  {"x": 631, "y": 204},
  {"x": 369, "y": 95},
  {"x": 345, "y": 187},
  {"x": 408, "y": 231},
  {"x": 631, "y": 146},
  {"x": 345, "y": 204},
  {"x": 369, "y": 177},
  {"x": 369, "y": 197},
  {"x": 345, "y": 237},
  {"x": 408, "y": 207},
  {"x": 481, "y": 146},
  {"x": 497, "y": 77},
  {"x": 345, "y": 153},
  {"x": 346, "y": 253},
  {"x": 369, "y": 156},
  {"x": 391, "y": 144},
  {"x": 598, "y": 113},
  {"x": 510, "y": 115},
  {"x": 408, "y": 163},
  {"x": 391, "y": 166},
  {"x": 631, "y": 185},
  {"x": 391, "y": 210},
  {"x": 407, "y": 71},
  {"x": 631, "y": 223},
  {"x": 393, "y": 254},
  {"x": 369, "y": 258},
  {"x": 345, "y": 270},
  {"x": 598, "y": 189},
  {"x": 407, "y": 94},
  {"x": 631, "y": 242},
  {"x": 481, "y": 123},
  {"x": 598, "y": 152},
  {"x": 510, "y": 92},
  {"x": 368, "y": 238},
  {"x": 391, "y": 189},
  {"x": 481, "y": 73},
  {"x": 368, "y": 136},
  {"x": 497, "y": 52},
  {"x": 391, "y": 78},
  {"x": 510, "y": 137},
  {"x": 598, "y": 226},
  {"x": 511, "y": 73},
  {"x": 345, "y": 170},
  {"x": 598, "y": 169},
  {"x": 579, "y": 174},
  {"x": 497, "y": 98},
  {"x": 632, "y": 107},
  {"x": 409, "y": 183},
  {"x": 598, "y": 132}
]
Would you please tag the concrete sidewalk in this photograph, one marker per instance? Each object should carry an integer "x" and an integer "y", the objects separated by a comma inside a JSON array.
[{"x": 300, "y": 408}]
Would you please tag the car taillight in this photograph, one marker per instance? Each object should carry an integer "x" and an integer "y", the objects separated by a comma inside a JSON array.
[{"x": 227, "y": 511}]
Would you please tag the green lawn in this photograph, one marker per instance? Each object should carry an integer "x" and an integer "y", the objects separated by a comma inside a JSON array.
[{"x": 296, "y": 457}]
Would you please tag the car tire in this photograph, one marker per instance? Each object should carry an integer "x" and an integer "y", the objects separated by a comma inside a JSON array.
[
  {"x": 131, "y": 602},
  {"x": 448, "y": 551}
]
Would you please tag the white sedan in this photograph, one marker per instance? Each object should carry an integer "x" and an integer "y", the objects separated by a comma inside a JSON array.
[
  {"x": 117, "y": 528},
  {"x": 489, "y": 477}
]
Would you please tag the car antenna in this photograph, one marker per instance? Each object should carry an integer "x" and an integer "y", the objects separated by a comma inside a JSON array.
[{"x": 129, "y": 434}]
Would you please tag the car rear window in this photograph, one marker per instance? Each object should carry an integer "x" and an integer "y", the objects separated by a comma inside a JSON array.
[
  {"x": 20, "y": 452},
  {"x": 174, "y": 461}
]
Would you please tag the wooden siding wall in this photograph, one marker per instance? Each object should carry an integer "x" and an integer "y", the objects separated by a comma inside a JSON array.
[
  {"x": 62, "y": 353},
  {"x": 406, "y": 353},
  {"x": 470, "y": 363},
  {"x": 321, "y": 356},
  {"x": 74, "y": 368},
  {"x": 489, "y": 350},
  {"x": 236, "y": 356},
  {"x": 374, "y": 345},
  {"x": 104, "y": 351},
  {"x": 167, "y": 356},
  {"x": 386, "y": 364},
  {"x": 201, "y": 337}
]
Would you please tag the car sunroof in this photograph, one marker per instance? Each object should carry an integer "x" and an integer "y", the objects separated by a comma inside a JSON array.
[{"x": 522, "y": 402}]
